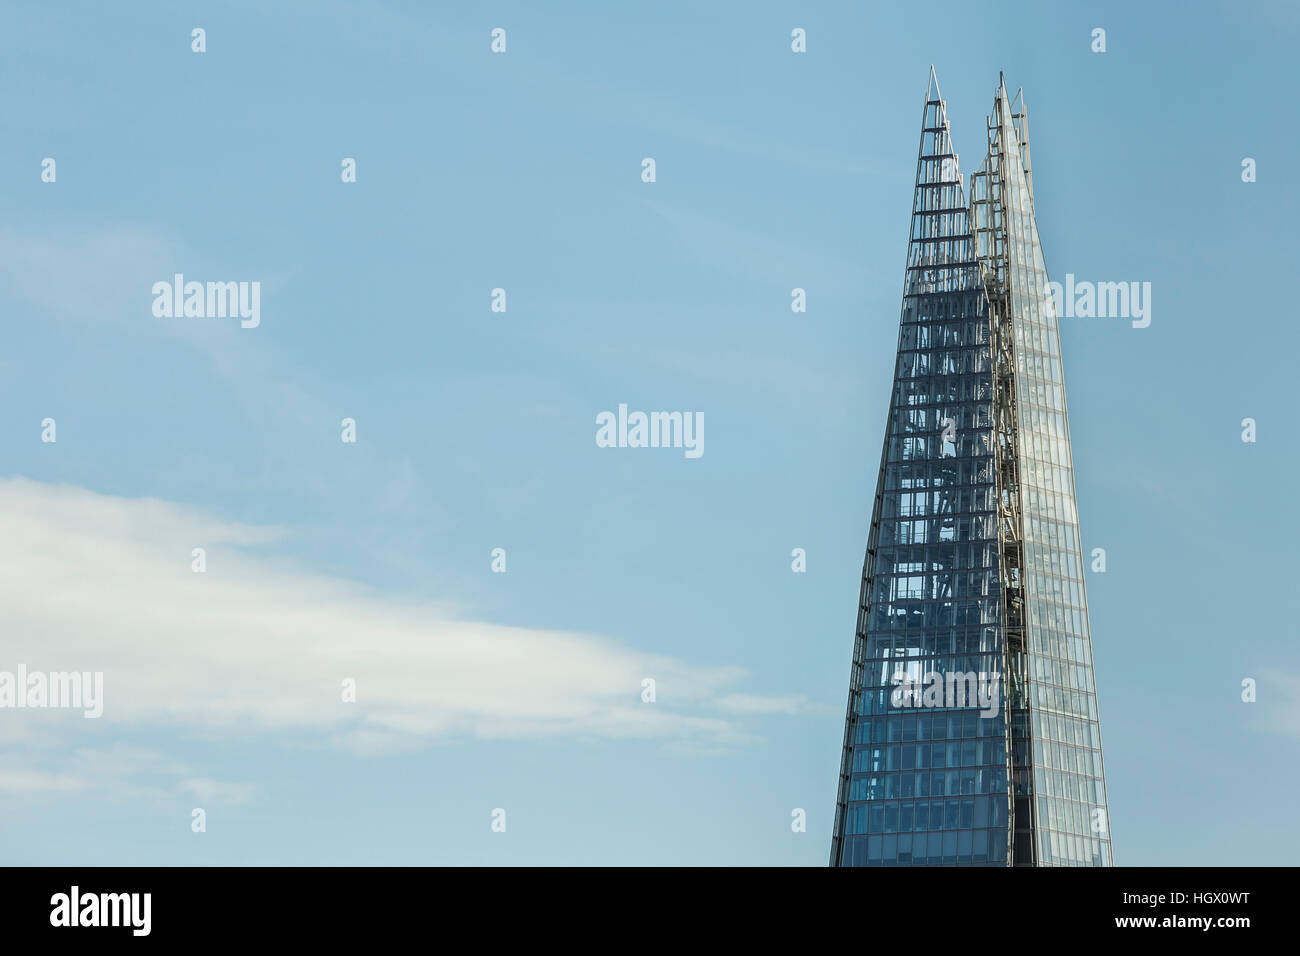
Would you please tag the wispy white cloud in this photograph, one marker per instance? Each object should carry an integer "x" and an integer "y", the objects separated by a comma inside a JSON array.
[
  {"x": 594, "y": 100},
  {"x": 21, "y": 781},
  {"x": 1278, "y": 698},
  {"x": 87, "y": 274},
  {"x": 113, "y": 769},
  {"x": 208, "y": 791},
  {"x": 757, "y": 704},
  {"x": 254, "y": 648}
]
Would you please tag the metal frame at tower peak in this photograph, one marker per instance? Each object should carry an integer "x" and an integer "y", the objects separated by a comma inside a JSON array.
[
  {"x": 992, "y": 248},
  {"x": 974, "y": 548}
]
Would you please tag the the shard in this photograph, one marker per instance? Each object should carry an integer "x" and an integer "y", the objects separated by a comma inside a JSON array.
[{"x": 972, "y": 735}]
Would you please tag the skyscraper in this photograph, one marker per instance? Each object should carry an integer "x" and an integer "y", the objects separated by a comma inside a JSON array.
[{"x": 972, "y": 735}]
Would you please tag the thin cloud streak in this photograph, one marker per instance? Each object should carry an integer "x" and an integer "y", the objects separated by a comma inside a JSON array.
[{"x": 255, "y": 648}]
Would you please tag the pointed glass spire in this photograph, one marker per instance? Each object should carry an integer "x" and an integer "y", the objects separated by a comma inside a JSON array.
[
  {"x": 973, "y": 572},
  {"x": 928, "y": 784},
  {"x": 940, "y": 256},
  {"x": 1061, "y": 815}
]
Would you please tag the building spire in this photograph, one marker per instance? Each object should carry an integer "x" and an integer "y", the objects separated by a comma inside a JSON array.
[
  {"x": 940, "y": 254},
  {"x": 949, "y": 570},
  {"x": 932, "y": 93}
]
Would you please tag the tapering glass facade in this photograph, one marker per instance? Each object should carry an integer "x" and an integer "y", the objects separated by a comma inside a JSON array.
[
  {"x": 973, "y": 572},
  {"x": 1062, "y": 747}
]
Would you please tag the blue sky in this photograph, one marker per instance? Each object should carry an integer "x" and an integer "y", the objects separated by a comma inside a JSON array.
[{"x": 475, "y": 429}]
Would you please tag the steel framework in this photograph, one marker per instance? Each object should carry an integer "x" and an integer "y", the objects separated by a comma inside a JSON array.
[{"x": 973, "y": 552}]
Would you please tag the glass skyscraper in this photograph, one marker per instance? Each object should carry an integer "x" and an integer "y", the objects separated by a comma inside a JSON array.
[{"x": 972, "y": 735}]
